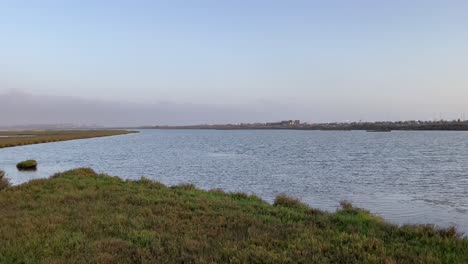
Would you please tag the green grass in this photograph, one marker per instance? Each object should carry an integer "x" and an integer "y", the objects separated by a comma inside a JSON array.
[
  {"x": 21, "y": 138},
  {"x": 82, "y": 217},
  {"x": 27, "y": 165}
]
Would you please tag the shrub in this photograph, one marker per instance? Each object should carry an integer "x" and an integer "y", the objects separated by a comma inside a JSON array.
[
  {"x": 27, "y": 165},
  {"x": 240, "y": 195},
  {"x": 217, "y": 191},
  {"x": 346, "y": 205},
  {"x": 150, "y": 183},
  {"x": 184, "y": 186},
  {"x": 450, "y": 232},
  {"x": 286, "y": 201},
  {"x": 4, "y": 182}
]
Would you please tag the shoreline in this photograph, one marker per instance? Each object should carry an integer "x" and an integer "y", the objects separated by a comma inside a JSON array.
[
  {"x": 441, "y": 125},
  {"x": 301, "y": 129},
  {"x": 21, "y": 138}
]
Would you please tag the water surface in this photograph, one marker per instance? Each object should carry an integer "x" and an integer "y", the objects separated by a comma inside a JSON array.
[{"x": 406, "y": 177}]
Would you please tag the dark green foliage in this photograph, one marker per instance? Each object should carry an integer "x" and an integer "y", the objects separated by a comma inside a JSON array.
[
  {"x": 83, "y": 217},
  {"x": 27, "y": 165}
]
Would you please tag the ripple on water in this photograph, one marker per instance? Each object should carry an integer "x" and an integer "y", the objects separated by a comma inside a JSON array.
[{"x": 406, "y": 177}]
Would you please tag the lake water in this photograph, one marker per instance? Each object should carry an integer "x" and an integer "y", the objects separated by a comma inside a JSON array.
[{"x": 406, "y": 177}]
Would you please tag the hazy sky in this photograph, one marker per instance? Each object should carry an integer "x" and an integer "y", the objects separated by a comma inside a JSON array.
[{"x": 320, "y": 60}]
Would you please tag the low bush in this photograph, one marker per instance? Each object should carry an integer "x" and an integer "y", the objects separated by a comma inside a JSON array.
[
  {"x": 346, "y": 205},
  {"x": 286, "y": 201},
  {"x": 184, "y": 186},
  {"x": 27, "y": 165}
]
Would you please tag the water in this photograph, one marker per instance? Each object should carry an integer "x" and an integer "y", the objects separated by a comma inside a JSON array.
[{"x": 406, "y": 177}]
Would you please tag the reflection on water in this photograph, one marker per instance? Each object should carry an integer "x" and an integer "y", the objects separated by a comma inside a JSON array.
[{"x": 407, "y": 177}]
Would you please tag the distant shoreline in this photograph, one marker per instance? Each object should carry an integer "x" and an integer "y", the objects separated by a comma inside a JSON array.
[{"x": 365, "y": 126}]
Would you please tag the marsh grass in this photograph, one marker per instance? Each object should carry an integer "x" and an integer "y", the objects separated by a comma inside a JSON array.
[
  {"x": 21, "y": 138},
  {"x": 82, "y": 217}
]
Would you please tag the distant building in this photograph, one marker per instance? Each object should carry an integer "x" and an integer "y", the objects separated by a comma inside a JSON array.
[{"x": 285, "y": 123}]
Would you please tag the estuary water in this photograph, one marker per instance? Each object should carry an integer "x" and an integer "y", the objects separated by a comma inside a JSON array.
[{"x": 406, "y": 177}]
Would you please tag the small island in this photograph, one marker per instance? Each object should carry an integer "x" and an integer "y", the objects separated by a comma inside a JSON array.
[{"x": 27, "y": 165}]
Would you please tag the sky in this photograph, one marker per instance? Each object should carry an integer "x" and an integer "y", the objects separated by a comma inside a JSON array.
[{"x": 254, "y": 60}]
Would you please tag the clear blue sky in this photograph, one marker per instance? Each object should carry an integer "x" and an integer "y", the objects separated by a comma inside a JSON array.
[{"x": 325, "y": 60}]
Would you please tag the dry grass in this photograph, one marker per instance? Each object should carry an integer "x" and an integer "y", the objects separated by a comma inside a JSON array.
[
  {"x": 82, "y": 217},
  {"x": 20, "y": 138}
]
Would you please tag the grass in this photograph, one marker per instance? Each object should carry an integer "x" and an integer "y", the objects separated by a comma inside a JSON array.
[
  {"x": 20, "y": 138},
  {"x": 27, "y": 165},
  {"x": 82, "y": 217}
]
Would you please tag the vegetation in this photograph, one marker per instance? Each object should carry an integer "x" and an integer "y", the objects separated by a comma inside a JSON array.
[
  {"x": 27, "y": 165},
  {"x": 284, "y": 200},
  {"x": 380, "y": 126},
  {"x": 82, "y": 217},
  {"x": 4, "y": 182},
  {"x": 20, "y": 138}
]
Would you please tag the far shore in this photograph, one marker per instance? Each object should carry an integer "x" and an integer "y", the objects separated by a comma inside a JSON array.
[{"x": 382, "y": 126}]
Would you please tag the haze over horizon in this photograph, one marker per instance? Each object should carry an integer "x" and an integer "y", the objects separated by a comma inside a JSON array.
[{"x": 172, "y": 62}]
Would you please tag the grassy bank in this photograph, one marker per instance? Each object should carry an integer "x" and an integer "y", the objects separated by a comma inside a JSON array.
[
  {"x": 81, "y": 217},
  {"x": 20, "y": 138}
]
